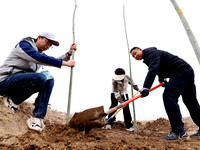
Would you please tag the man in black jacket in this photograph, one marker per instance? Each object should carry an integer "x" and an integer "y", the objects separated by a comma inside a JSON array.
[{"x": 181, "y": 82}]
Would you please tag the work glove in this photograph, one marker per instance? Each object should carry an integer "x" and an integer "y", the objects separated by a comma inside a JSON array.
[
  {"x": 144, "y": 92},
  {"x": 136, "y": 87},
  {"x": 165, "y": 83},
  {"x": 162, "y": 80}
]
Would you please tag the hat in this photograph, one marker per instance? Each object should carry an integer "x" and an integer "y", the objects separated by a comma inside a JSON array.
[
  {"x": 119, "y": 74},
  {"x": 51, "y": 37}
]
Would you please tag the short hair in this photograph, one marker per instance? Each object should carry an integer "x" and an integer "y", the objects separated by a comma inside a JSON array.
[
  {"x": 134, "y": 48},
  {"x": 120, "y": 71}
]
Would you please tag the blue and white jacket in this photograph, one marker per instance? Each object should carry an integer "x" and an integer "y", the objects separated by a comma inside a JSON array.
[{"x": 26, "y": 58}]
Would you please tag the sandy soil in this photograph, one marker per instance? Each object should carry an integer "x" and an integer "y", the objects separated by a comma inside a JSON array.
[{"x": 14, "y": 134}]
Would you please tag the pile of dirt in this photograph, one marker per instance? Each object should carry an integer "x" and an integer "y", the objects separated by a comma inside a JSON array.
[{"x": 59, "y": 136}]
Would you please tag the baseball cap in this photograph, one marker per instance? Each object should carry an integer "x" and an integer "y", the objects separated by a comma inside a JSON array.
[{"x": 51, "y": 37}]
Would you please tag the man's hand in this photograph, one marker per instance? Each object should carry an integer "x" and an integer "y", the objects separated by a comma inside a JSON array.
[
  {"x": 144, "y": 92},
  {"x": 162, "y": 80},
  {"x": 70, "y": 63},
  {"x": 72, "y": 47},
  {"x": 165, "y": 83}
]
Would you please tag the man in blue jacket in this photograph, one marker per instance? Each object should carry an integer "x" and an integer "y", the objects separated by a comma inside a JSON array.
[
  {"x": 19, "y": 78},
  {"x": 181, "y": 82}
]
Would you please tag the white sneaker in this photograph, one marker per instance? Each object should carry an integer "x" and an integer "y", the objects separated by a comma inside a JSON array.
[
  {"x": 108, "y": 127},
  {"x": 130, "y": 129},
  {"x": 9, "y": 103},
  {"x": 35, "y": 124}
]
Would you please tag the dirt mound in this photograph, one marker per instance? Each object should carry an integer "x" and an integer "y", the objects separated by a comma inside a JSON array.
[{"x": 59, "y": 136}]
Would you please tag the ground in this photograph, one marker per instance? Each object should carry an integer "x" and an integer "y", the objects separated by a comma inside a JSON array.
[{"x": 57, "y": 135}]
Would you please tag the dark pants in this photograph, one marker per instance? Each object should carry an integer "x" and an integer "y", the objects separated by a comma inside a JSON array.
[
  {"x": 21, "y": 86},
  {"x": 181, "y": 84},
  {"x": 126, "y": 111}
]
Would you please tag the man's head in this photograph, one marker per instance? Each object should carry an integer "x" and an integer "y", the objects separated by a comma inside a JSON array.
[
  {"x": 45, "y": 40},
  {"x": 136, "y": 52}
]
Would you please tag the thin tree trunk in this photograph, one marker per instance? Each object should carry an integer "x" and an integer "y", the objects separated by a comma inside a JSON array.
[
  {"x": 188, "y": 30},
  {"x": 134, "y": 115},
  {"x": 71, "y": 71}
]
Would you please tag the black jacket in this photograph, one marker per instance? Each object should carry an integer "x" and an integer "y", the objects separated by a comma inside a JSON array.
[{"x": 163, "y": 64}]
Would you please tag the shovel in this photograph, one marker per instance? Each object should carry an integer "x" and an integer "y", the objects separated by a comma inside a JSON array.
[
  {"x": 130, "y": 100},
  {"x": 95, "y": 117},
  {"x": 117, "y": 111}
]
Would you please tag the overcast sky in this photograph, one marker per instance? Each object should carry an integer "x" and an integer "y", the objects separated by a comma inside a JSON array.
[{"x": 101, "y": 43}]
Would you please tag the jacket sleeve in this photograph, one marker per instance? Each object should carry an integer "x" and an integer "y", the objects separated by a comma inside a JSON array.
[
  {"x": 154, "y": 61},
  {"x": 64, "y": 57},
  {"x": 135, "y": 86},
  {"x": 36, "y": 57}
]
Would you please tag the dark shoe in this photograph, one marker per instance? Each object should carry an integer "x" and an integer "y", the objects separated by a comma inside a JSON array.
[
  {"x": 183, "y": 134},
  {"x": 196, "y": 134},
  {"x": 175, "y": 136}
]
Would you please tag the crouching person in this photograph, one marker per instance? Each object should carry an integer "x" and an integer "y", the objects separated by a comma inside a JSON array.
[
  {"x": 19, "y": 78},
  {"x": 119, "y": 94}
]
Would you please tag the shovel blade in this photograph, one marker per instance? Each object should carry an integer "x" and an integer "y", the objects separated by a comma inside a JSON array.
[{"x": 88, "y": 119}]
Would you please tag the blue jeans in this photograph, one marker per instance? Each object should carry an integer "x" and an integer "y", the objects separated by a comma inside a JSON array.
[{"x": 21, "y": 86}]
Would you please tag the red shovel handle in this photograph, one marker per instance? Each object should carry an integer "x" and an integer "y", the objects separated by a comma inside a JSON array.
[
  {"x": 134, "y": 98},
  {"x": 130, "y": 100}
]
